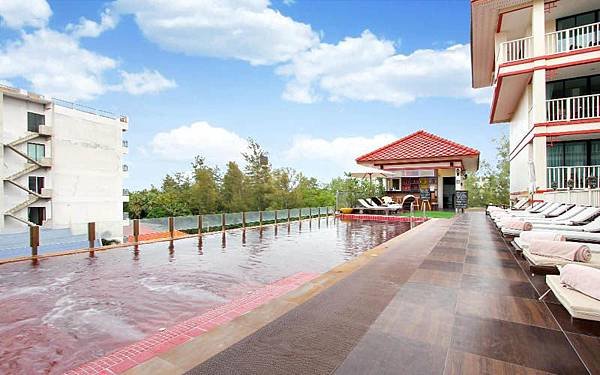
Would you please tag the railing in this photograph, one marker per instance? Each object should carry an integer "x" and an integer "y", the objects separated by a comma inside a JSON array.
[
  {"x": 573, "y": 108},
  {"x": 83, "y": 108},
  {"x": 125, "y": 192},
  {"x": 576, "y": 177},
  {"x": 573, "y": 39},
  {"x": 514, "y": 50}
]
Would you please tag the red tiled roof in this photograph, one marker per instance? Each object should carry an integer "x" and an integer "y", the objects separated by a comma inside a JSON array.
[{"x": 419, "y": 145}]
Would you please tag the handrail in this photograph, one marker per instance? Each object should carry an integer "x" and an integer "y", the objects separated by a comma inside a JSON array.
[
  {"x": 515, "y": 50},
  {"x": 575, "y": 38},
  {"x": 573, "y": 108},
  {"x": 572, "y": 177}
]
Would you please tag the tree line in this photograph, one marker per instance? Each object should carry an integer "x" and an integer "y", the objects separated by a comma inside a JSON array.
[{"x": 257, "y": 186}]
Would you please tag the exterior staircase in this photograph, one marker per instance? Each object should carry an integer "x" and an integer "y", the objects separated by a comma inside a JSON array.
[{"x": 31, "y": 166}]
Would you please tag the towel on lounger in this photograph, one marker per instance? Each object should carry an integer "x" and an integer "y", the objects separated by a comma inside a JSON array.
[
  {"x": 518, "y": 225},
  {"x": 583, "y": 279},
  {"x": 539, "y": 235},
  {"x": 573, "y": 251}
]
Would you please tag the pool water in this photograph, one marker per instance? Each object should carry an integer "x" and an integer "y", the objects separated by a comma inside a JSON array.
[{"x": 65, "y": 311}]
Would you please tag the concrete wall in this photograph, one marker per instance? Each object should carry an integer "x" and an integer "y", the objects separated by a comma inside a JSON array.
[{"x": 87, "y": 170}]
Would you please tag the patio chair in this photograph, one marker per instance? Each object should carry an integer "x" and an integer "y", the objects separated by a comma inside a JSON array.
[{"x": 579, "y": 305}]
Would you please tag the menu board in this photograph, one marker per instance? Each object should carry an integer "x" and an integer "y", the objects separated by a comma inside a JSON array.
[
  {"x": 461, "y": 199},
  {"x": 425, "y": 195}
]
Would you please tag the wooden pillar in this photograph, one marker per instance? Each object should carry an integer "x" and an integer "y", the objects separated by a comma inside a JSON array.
[
  {"x": 92, "y": 234},
  {"x": 34, "y": 239},
  {"x": 199, "y": 225},
  {"x": 171, "y": 227},
  {"x": 136, "y": 230}
]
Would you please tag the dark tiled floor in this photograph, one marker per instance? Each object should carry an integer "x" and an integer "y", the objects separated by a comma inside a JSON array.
[{"x": 472, "y": 300}]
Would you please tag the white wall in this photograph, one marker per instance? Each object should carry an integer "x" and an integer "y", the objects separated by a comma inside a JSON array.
[{"x": 87, "y": 170}]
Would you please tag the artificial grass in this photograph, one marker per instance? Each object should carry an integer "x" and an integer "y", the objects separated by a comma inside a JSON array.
[{"x": 431, "y": 214}]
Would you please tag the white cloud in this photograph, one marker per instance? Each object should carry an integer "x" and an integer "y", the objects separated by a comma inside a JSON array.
[
  {"x": 246, "y": 30},
  {"x": 330, "y": 157},
  {"x": 217, "y": 145},
  {"x": 367, "y": 68},
  {"x": 16, "y": 14},
  {"x": 144, "y": 82},
  {"x": 92, "y": 29},
  {"x": 55, "y": 65}
]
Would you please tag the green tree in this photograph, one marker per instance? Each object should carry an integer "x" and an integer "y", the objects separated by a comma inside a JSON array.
[
  {"x": 232, "y": 189},
  {"x": 491, "y": 185},
  {"x": 258, "y": 175},
  {"x": 204, "y": 191}
]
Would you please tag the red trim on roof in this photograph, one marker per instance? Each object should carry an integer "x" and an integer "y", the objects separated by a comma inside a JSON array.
[{"x": 419, "y": 145}]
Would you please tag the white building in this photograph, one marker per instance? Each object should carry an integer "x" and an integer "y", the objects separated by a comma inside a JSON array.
[
  {"x": 61, "y": 164},
  {"x": 543, "y": 60}
]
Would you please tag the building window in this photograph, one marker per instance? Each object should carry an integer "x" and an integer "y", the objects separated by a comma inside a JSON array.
[
  {"x": 572, "y": 154},
  {"x": 567, "y": 88},
  {"x": 36, "y": 215},
  {"x": 36, "y": 151},
  {"x": 34, "y": 120},
  {"x": 36, "y": 184}
]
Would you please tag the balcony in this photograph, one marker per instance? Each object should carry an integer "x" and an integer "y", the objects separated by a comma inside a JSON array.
[
  {"x": 573, "y": 108},
  {"x": 125, "y": 146},
  {"x": 574, "y": 177},
  {"x": 576, "y": 38},
  {"x": 125, "y": 195}
]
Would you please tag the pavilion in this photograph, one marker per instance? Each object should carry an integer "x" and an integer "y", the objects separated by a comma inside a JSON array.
[{"x": 423, "y": 161}]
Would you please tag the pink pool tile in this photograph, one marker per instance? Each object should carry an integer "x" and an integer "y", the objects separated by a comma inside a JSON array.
[{"x": 142, "y": 351}]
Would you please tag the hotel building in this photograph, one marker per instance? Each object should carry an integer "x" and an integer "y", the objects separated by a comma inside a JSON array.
[
  {"x": 61, "y": 164},
  {"x": 542, "y": 59}
]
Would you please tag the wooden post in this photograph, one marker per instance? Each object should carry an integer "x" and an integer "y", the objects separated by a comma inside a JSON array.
[
  {"x": 136, "y": 230},
  {"x": 171, "y": 227},
  {"x": 223, "y": 222},
  {"x": 260, "y": 217},
  {"x": 92, "y": 234},
  {"x": 34, "y": 239},
  {"x": 275, "y": 217},
  {"x": 243, "y": 220},
  {"x": 199, "y": 225}
]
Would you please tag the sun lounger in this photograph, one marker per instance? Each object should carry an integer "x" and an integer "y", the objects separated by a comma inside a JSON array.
[
  {"x": 567, "y": 226},
  {"x": 567, "y": 215},
  {"x": 367, "y": 207},
  {"x": 577, "y": 304},
  {"x": 544, "y": 261},
  {"x": 521, "y": 204}
]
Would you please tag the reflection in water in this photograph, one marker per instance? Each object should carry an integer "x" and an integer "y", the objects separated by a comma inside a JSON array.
[{"x": 68, "y": 310}]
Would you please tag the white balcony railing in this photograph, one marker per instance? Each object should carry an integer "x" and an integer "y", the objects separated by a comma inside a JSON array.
[
  {"x": 573, "y": 39},
  {"x": 576, "y": 177},
  {"x": 515, "y": 50},
  {"x": 573, "y": 108}
]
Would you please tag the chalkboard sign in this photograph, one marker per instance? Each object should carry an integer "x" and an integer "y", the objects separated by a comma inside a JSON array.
[
  {"x": 425, "y": 195},
  {"x": 461, "y": 199},
  {"x": 592, "y": 182}
]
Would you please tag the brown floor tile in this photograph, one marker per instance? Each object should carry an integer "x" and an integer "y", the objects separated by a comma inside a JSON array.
[
  {"x": 498, "y": 286},
  {"x": 461, "y": 363},
  {"x": 497, "y": 254},
  {"x": 492, "y": 271},
  {"x": 417, "y": 322},
  {"x": 589, "y": 350},
  {"x": 434, "y": 277},
  {"x": 512, "y": 309},
  {"x": 574, "y": 325},
  {"x": 448, "y": 257},
  {"x": 528, "y": 346},
  {"x": 377, "y": 353},
  {"x": 432, "y": 296},
  {"x": 491, "y": 261},
  {"x": 442, "y": 266}
]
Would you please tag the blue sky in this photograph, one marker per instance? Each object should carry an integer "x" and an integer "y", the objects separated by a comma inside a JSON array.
[{"x": 315, "y": 83}]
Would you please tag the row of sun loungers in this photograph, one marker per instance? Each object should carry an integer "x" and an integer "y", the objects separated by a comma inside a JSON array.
[
  {"x": 561, "y": 239},
  {"x": 384, "y": 205}
]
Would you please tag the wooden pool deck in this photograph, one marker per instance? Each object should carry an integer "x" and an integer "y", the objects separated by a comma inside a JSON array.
[{"x": 448, "y": 297}]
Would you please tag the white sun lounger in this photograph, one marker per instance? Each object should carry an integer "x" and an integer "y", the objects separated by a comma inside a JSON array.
[
  {"x": 527, "y": 214},
  {"x": 568, "y": 225},
  {"x": 540, "y": 260},
  {"x": 577, "y": 304},
  {"x": 562, "y": 218},
  {"x": 534, "y": 207}
]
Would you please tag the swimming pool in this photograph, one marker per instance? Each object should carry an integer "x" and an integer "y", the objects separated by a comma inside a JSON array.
[{"x": 69, "y": 310}]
